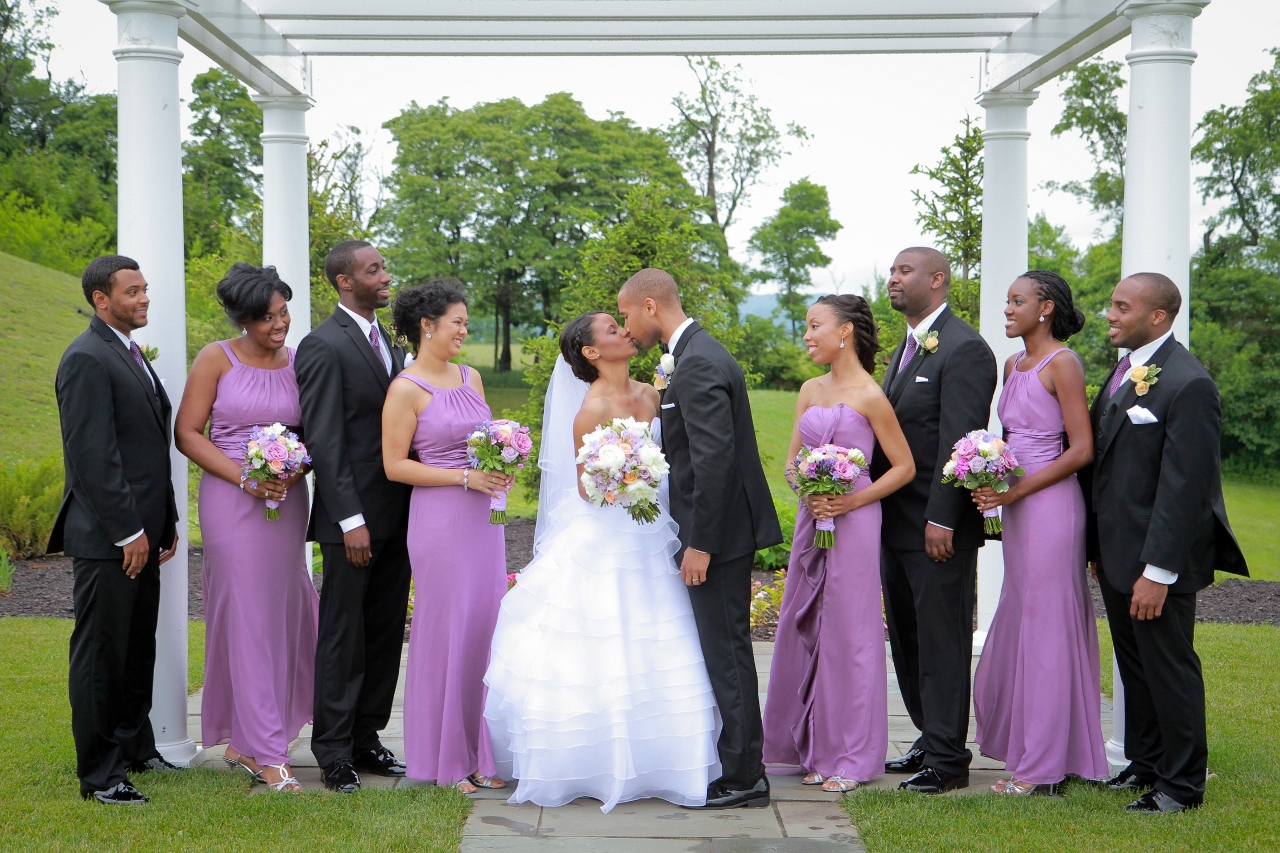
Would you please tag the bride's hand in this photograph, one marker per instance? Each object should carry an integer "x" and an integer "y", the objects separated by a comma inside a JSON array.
[{"x": 491, "y": 483}]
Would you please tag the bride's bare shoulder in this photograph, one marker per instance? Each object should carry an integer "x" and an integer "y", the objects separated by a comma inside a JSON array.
[
  {"x": 595, "y": 412},
  {"x": 647, "y": 393}
]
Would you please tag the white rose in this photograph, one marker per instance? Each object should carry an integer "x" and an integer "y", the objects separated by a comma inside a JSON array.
[
  {"x": 651, "y": 455},
  {"x": 668, "y": 363},
  {"x": 949, "y": 469},
  {"x": 611, "y": 457},
  {"x": 589, "y": 485}
]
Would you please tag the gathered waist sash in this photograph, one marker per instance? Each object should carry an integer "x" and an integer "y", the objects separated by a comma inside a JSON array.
[{"x": 1035, "y": 445}]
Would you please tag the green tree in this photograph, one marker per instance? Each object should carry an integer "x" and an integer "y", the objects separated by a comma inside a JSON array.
[
  {"x": 953, "y": 215},
  {"x": 1091, "y": 107},
  {"x": 787, "y": 244},
  {"x": 336, "y": 171}
]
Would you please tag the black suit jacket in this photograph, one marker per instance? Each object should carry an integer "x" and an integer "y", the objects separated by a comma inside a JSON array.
[
  {"x": 719, "y": 495},
  {"x": 116, "y": 437},
  {"x": 1154, "y": 491},
  {"x": 342, "y": 386},
  {"x": 939, "y": 397}
]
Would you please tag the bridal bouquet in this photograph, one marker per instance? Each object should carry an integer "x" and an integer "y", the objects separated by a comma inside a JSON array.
[
  {"x": 622, "y": 465},
  {"x": 502, "y": 446},
  {"x": 273, "y": 453},
  {"x": 827, "y": 470},
  {"x": 980, "y": 459}
]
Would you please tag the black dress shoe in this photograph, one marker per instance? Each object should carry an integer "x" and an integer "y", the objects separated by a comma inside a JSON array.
[
  {"x": 379, "y": 761},
  {"x": 933, "y": 781},
  {"x": 341, "y": 776},
  {"x": 1130, "y": 780},
  {"x": 720, "y": 796},
  {"x": 122, "y": 794},
  {"x": 1158, "y": 802},
  {"x": 912, "y": 762},
  {"x": 158, "y": 764}
]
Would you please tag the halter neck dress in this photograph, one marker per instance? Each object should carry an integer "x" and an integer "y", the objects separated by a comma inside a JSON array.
[
  {"x": 460, "y": 575},
  {"x": 1036, "y": 691},
  {"x": 827, "y": 709},
  {"x": 260, "y": 605}
]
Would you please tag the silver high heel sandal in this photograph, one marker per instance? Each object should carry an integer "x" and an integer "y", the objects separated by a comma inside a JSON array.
[
  {"x": 236, "y": 762},
  {"x": 287, "y": 780}
]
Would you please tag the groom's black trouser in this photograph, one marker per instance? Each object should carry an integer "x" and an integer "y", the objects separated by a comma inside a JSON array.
[
  {"x": 359, "y": 639},
  {"x": 928, "y": 609},
  {"x": 722, "y": 609},
  {"x": 1164, "y": 717}
]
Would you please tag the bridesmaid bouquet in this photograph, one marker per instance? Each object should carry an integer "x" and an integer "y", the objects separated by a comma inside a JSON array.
[
  {"x": 622, "y": 465},
  {"x": 502, "y": 446},
  {"x": 273, "y": 453},
  {"x": 827, "y": 470},
  {"x": 980, "y": 459}
]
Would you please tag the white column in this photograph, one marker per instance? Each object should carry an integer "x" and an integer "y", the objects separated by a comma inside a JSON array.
[
  {"x": 285, "y": 235},
  {"x": 1157, "y": 194},
  {"x": 150, "y": 223},
  {"x": 1004, "y": 257}
]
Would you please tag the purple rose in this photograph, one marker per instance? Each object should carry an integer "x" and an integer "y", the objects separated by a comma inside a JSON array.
[
  {"x": 843, "y": 469},
  {"x": 509, "y": 455},
  {"x": 522, "y": 443},
  {"x": 967, "y": 447},
  {"x": 275, "y": 452}
]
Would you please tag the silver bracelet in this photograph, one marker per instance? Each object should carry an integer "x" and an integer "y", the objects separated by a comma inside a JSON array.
[{"x": 466, "y": 472}]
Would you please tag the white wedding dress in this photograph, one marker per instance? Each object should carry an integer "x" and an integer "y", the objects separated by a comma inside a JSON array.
[{"x": 596, "y": 681}]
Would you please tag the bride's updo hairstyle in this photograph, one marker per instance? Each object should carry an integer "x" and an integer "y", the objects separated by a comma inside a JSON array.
[
  {"x": 429, "y": 301},
  {"x": 576, "y": 335},
  {"x": 851, "y": 308},
  {"x": 1051, "y": 287}
]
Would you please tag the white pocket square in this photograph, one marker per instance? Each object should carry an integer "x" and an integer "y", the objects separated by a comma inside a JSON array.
[
  {"x": 1139, "y": 415},
  {"x": 922, "y": 378},
  {"x": 668, "y": 405}
]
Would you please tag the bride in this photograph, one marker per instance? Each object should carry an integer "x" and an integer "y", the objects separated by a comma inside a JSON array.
[{"x": 596, "y": 681}]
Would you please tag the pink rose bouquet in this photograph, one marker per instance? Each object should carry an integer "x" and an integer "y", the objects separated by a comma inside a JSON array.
[
  {"x": 273, "y": 453},
  {"x": 827, "y": 470},
  {"x": 980, "y": 459},
  {"x": 500, "y": 445}
]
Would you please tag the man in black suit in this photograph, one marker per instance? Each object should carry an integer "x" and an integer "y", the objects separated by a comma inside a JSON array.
[
  {"x": 721, "y": 501},
  {"x": 118, "y": 523},
  {"x": 1157, "y": 530},
  {"x": 359, "y": 519},
  {"x": 940, "y": 382}
]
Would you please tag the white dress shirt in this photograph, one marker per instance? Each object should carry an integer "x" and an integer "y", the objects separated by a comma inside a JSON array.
[
  {"x": 127, "y": 340},
  {"x": 1137, "y": 358},
  {"x": 911, "y": 330},
  {"x": 675, "y": 336},
  {"x": 357, "y": 520}
]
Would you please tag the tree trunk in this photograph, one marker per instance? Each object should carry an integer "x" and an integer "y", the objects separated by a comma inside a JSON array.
[
  {"x": 495, "y": 336},
  {"x": 503, "y": 301}
]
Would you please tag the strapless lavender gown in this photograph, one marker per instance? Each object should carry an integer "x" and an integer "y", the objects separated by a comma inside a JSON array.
[
  {"x": 1036, "y": 692},
  {"x": 260, "y": 607},
  {"x": 459, "y": 565},
  {"x": 827, "y": 709}
]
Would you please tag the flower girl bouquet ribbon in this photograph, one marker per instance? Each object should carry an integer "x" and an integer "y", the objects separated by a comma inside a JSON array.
[
  {"x": 502, "y": 446},
  {"x": 273, "y": 453},
  {"x": 827, "y": 470},
  {"x": 980, "y": 459},
  {"x": 623, "y": 466}
]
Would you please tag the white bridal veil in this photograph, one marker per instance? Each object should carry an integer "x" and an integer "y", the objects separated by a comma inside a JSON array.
[{"x": 557, "y": 455}]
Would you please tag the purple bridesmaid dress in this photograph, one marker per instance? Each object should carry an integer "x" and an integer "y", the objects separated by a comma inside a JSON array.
[
  {"x": 460, "y": 575},
  {"x": 827, "y": 709},
  {"x": 260, "y": 606},
  {"x": 1036, "y": 692}
]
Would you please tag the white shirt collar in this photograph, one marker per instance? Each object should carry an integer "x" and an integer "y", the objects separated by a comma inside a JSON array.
[
  {"x": 1143, "y": 354},
  {"x": 927, "y": 321},
  {"x": 675, "y": 336},
  {"x": 124, "y": 339},
  {"x": 365, "y": 328}
]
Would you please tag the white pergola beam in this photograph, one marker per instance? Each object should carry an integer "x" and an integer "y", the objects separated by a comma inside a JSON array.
[
  {"x": 233, "y": 35},
  {"x": 641, "y": 47},
  {"x": 1060, "y": 37}
]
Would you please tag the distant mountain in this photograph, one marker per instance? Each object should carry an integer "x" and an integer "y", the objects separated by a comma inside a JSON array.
[{"x": 760, "y": 304}]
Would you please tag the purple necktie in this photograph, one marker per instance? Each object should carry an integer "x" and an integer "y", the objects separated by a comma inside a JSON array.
[
  {"x": 138, "y": 356},
  {"x": 375, "y": 342},
  {"x": 1122, "y": 370},
  {"x": 913, "y": 346}
]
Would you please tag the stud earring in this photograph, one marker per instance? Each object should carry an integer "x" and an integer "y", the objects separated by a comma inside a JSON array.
[
  {"x": 429, "y": 334},
  {"x": 1041, "y": 318},
  {"x": 244, "y": 332}
]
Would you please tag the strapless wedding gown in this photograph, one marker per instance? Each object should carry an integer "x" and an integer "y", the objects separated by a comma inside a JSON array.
[{"x": 596, "y": 682}]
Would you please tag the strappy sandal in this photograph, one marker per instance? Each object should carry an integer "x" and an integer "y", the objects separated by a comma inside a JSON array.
[
  {"x": 1014, "y": 788},
  {"x": 841, "y": 785},
  {"x": 486, "y": 782},
  {"x": 236, "y": 762},
  {"x": 813, "y": 779},
  {"x": 289, "y": 782}
]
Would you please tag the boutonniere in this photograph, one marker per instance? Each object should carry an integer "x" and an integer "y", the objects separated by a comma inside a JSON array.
[
  {"x": 1143, "y": 377},
  {"x": 665, "y": 370},
  {"x": 928, "y": 341},
  {"x": 150, "y": 353}
]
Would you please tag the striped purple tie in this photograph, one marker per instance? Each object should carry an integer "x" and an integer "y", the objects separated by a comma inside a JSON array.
[
  {"x": 138, "y": 356},
  {"x": 913, "y": 346},
  {"x": 1122, "y": 371}
]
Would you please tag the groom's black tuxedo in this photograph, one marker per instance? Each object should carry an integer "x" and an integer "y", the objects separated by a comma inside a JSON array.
[
  {"x": 116, "y": 435},
  {"x": 721, "y": 501},
  {"x": 1154, "y": 497},
  {"x": 342, "y": 384},
  {"x": 929, "y": 606}
]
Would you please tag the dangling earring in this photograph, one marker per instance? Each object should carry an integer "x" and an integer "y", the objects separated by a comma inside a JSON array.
[
  {"x": 842, "y": 343},
  {"x": 1041, "y": 318},
  {"x": 244, "y": 332}
]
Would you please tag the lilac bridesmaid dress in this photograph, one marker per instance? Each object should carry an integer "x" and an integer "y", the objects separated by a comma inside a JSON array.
[
  {"x": 460, "y": 575},
  {"x": 826, "y": 710},
  {"x": 1036, "y": 692},
  {"x": 260, "y": 606}
]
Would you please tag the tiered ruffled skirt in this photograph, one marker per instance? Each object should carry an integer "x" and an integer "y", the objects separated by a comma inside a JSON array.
[{"x": 597, "y": 685}]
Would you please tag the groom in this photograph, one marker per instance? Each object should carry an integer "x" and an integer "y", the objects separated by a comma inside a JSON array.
[{"x": 721, "y": 501}]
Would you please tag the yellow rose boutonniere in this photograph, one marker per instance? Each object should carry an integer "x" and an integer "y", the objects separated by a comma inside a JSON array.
[
  {"x": 928, "y": 341},
  {"x": 1143, "y": 377}
]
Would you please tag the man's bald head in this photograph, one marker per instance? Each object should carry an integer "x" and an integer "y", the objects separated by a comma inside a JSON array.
[
  {"x": 650, "y": 306},
  {"x": 918, "y": 282},
  {"x": 652, "y": 283},
  {"x": 1159, "y": 292},
  {"x": 931, "y": 261}
]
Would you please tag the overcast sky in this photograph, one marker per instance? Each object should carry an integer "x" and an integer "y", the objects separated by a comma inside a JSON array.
[{"x": 870, "y": 118}]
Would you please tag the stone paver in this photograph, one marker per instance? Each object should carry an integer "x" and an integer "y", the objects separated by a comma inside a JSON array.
[{"x": 801, "y": 819}]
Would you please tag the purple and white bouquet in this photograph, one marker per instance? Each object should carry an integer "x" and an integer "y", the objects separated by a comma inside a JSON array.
[
  {"x": 500, "y": 445},
  {"x": 827, "y": 470},
  {"x": 980, "y": 459},
  {"x": 623, "y": 466},
  {"x": 273, "y": 453}
]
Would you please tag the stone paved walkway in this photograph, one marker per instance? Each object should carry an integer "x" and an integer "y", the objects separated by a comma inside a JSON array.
[{"x": 800, "y": 820}]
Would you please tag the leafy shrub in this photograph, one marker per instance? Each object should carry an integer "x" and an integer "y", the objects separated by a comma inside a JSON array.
[
  {"x": 766, "y": 600},
  {"x": 30, "y": 494},
  {"x": 6, "y": 573},
  {"x": 38, "y": 234},
  {"x": 776, "y": 361},
  {"x": 775, "y": 558}
]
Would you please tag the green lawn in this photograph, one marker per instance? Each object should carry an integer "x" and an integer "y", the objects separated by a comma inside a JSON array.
[
  {"x": 197, "y": 810},
  {"x": 1255, "y": 517}
]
